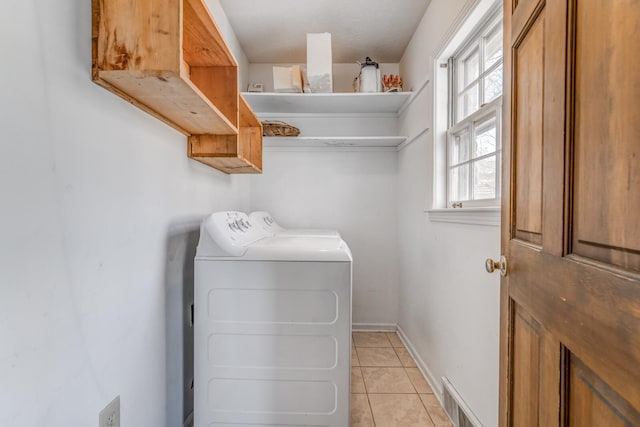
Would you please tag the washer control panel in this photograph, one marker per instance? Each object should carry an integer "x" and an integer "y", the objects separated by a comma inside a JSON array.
[
  {"x": 266, "y": 221},
  {"x": 233, "y": 231}
]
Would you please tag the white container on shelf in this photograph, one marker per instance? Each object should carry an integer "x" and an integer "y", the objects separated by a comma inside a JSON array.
[
  {"x": 319, "y": 62},
  {"x": 369, "y": 79}
]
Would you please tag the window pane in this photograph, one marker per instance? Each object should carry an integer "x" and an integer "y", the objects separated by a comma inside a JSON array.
[
  {"x": 493, "y": 47},
  {"x": 485, "y": 138},
  {"x": 459, "y": 148},
  {"x": 468, "y": 102},
  {"x": 459, "y": 183},
  {"x": 484, "y": 178},
  {"x": 469, "y": 69},
  {"x": 493, "y": 84}
]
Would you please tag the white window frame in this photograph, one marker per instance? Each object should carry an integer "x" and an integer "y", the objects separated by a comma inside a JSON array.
[
  {"x": 488, "y": 27},
  {"x": 492, "y": 109},
  {"x": 473, "y": 16},
  {"x": 475, "y": 42}
]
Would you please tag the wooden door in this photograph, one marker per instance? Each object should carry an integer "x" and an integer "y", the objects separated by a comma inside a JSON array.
[{"x": 570, "y": 303}]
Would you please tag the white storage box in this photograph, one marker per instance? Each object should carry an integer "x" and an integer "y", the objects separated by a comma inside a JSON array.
[
  {"x": 287, "y": 79},
  {"x": 319, "y": 62}
]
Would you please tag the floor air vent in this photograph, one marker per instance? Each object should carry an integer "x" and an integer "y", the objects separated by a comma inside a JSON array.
[{"x": 458, "y": 411}]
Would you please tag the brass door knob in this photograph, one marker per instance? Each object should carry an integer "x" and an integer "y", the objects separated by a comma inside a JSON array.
[{"x": 491, "y": 265}]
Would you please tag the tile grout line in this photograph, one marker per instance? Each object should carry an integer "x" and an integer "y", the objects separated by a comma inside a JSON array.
[
  {"x": 366, "y": 392},
  {"x": 412, "y": 384},
  {"x": 419, "y": 395},
  {"x": 370, "y": 407},
  {"x": 398, "y": 355},
  {"x": 405, "y": 368},
  {"x": 427, "y": 409}
]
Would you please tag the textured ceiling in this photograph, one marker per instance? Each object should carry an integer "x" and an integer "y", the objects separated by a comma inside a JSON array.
[{"x": 274, "y": 31}]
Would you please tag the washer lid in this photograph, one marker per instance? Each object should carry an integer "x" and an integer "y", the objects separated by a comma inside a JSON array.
[
  {"x": 299, "y": 248},
  {"x": 265, "y": 220},
  {"x": 309, "y": 232},
  {"x": 232, "y": 235}
]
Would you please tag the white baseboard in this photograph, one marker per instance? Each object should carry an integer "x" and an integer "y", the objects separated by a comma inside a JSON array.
[
  {"x": 435, "y": 385},
  {"x": 374, "y": 327}
]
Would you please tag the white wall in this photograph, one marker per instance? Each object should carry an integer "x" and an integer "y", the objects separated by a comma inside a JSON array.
[
  {"x": 448, "y": 305},
  {"x": 353, "y": 192},
  {"x": 232, "y": 41},
  {"x": 100, "y": 207}
]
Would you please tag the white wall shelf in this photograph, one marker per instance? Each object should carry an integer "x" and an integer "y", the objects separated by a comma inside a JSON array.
[
  {"x": 334, "y": 141},
  {"x": 374, "y": 114},
  {"x": 327, "y": 103}
]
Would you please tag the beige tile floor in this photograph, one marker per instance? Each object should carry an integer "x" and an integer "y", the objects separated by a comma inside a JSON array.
[{"x": 387, "y": 389}]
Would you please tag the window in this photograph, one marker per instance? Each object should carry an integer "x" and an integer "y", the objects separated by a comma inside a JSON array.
[
  {"x": 474, "y": 159},
  {"x": 473, "y": 137}
]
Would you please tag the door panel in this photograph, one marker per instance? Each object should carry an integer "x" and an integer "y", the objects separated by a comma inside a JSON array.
[
  {"x": 597, "y": 317},
  {"x": 570, "y": 304},
  {"x": 535, "y": 371},
  {"x": 607, "y": 149},
  {"x": 592, "y": 403},
  {"x": 522, "y": 12},
  {"x": 527, "y": 141},
  {"x": 525, "y": 368}
]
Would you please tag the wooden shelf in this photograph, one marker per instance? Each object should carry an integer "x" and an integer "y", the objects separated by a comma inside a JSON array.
[
  {"x": 327, "y": 103},
  {"x": 203, "y": 44},
  {"x": 173, "y": 63},
  {"x": 223, "y": 152},
  {"x": 174, "y": 99},
  {"x": 330, "y": 141}
]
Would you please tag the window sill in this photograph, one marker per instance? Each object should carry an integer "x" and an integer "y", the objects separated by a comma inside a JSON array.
[{"x": 477, "y": 216}]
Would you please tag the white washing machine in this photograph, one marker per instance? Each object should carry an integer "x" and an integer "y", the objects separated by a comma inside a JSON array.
[
  {"x": 272, "y": 327},
  {"x": 266, "y": 221}
]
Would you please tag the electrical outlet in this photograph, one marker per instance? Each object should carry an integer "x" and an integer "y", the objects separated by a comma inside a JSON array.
[{"x": 110, "y": 415}]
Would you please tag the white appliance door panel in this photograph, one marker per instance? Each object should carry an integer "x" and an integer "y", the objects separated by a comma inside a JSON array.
[
  {"x": 272, "y": 343},
  {"x": 272, "y": 306}
]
